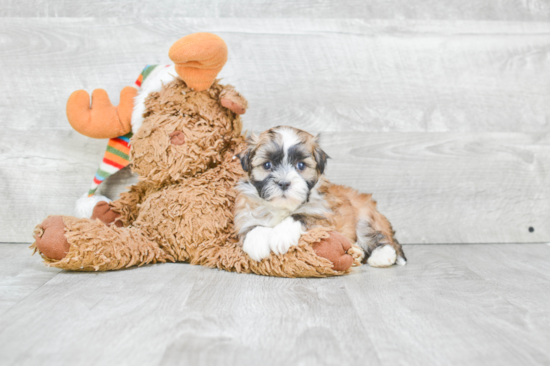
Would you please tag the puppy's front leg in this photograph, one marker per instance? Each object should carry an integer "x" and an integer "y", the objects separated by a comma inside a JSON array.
[
  {"x": 286, "y": 234},
  {"x": 256, "y": 243}
]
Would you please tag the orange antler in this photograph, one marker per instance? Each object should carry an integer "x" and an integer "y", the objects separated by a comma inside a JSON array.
[
  {"x": 101, "y": 119},
  {"x": 199, "y": 57}
]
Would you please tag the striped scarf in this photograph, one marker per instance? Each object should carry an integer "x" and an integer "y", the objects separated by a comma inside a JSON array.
[{"x": 116, "y": 157}]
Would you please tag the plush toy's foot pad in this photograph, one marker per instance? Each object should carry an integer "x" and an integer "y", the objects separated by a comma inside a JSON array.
[
  {"x": 105, "y": 213},
  {"x": 334, "y": 249},
  {"x": 50, "y": 238}
]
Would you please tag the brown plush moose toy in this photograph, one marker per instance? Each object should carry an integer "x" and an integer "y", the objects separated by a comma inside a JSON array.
[{"x": 186, "y": 132}]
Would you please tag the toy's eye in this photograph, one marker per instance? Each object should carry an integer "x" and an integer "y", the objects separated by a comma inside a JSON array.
[
  {"x": 267, "y": 165},
  {"x": 301, "y": 165}
]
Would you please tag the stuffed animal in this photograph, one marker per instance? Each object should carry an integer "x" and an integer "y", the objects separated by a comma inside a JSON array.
[{"x": 184, "y": 128}]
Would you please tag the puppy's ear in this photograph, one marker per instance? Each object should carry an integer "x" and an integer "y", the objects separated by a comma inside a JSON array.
[
  {"x": 320, "y": 156},
  {"x": 252, "y": 141},
  {"x": 244, "y": 157}
]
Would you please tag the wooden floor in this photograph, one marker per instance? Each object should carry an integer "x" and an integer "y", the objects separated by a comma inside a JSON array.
[{"x": 451, "y": 305}]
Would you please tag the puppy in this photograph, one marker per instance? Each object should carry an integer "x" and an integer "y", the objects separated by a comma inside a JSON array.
[{"x": 285, "y": 193}]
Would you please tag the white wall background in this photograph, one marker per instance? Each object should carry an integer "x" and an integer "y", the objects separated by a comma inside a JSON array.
[{"x": 440, "y": 108}]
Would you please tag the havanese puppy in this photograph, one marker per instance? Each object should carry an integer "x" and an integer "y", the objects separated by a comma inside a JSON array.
[{"x": 285, "y": 193}]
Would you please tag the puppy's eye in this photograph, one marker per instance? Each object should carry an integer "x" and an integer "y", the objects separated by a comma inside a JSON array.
[
  {"x": 267, "y": 165},
  {"x": 301, "y": 165}
]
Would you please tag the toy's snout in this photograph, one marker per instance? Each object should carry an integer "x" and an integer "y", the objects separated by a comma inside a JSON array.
[{"x": 177, "y": 138}]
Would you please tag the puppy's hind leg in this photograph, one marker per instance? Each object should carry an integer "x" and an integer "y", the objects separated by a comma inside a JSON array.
[{"x": 376, "y": 236}]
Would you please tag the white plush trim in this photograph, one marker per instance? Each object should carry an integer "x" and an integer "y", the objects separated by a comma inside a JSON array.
[
  {"x": 85, "y": 205},
  {"x": 160, "y": 76}
]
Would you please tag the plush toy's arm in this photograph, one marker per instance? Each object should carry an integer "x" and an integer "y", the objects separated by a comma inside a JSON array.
[
  {"x": 233, "y": 100},
  {"x": 320, "y": 253},
  {"x": 127, "y": 204}
]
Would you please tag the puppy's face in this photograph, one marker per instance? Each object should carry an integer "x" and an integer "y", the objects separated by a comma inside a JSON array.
[{"x": 284, "y": 164}]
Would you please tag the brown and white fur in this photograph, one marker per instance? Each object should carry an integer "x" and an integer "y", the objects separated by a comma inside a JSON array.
[{"x": 285, "y": 193}]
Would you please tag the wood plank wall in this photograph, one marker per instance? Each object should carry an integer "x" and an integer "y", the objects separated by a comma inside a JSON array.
[{"x": 440, "y": 108}]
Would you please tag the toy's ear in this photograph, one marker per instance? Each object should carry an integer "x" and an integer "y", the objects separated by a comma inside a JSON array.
[
  {"x": 320, "y": 156},
  {"x": 233, "y": 100}
]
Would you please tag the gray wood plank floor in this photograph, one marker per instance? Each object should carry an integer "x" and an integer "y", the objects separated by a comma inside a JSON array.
[{"x": 451, "y": 305}]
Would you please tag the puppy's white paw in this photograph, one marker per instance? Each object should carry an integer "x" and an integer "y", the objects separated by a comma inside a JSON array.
[
  {"x": 256, "y": 243},
  {"x": 284, "y": 235},
  {"x": 383, "y": 256},
  {"x": 400, "y": 261}
]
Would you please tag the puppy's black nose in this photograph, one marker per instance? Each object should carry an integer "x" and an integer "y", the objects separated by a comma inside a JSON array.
[{"x": 284, "y": 185}]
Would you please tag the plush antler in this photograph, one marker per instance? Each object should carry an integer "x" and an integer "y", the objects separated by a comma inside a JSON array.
[
  {"x": 101, "y": 119},
  {"x": 199, "y": 57}
]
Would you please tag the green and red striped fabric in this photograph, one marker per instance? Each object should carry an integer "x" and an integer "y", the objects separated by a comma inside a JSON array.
[{"x": 117, "y": 155}]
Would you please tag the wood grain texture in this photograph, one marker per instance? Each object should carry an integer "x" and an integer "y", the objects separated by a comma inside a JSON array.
[
  {"x": 474, "y": 304},
  {"x": 20, "y": 274},
  {"x": 533, "y": 10},
  {"x": 321, "y": 75},
  {"x": 450, "y": 187},
  {"x": 451, "y": 304},
  {"x": 260, "y": 320},
  {"x": 121, "y": 317},
  {"x": 445, "y": 97},
  {"x": 434, "y": 187}
]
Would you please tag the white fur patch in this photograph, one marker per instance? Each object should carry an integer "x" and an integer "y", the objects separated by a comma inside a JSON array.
[
  {"x": 400, "y": 261},
  {"x": 266, "y": 214},
  {"x": 290, "y": 138},
  {"x": 285, "y": 235},
  {"x": 263, "y": 213},
  {"x": 85, "y": 205},
  {"x": 256, "y": 243},
  {"x": 383, "y": 256},
  {"x": 153, "y": 83}
]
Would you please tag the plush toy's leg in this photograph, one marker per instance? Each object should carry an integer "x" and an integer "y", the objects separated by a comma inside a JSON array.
[
  {"x": 89, "y": 245},
  {"x": 320, "y": 253},
  {"x": 101, "y": 119},
  {"x": 128, "y": 203}
]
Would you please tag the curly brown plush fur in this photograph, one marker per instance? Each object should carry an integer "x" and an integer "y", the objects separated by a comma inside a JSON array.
[{"x": 182, "y": 208}]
